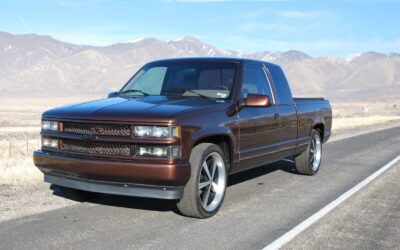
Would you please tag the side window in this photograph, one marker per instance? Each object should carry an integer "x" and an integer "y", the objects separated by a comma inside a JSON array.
[
  {"x": 281, "y": 84},
  {"x": 254, "y": 81}
]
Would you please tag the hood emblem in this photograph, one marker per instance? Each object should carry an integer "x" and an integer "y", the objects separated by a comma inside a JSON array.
[{"x": 88, "y": 138}]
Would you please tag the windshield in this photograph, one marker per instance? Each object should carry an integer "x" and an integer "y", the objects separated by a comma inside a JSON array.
[{"x": 205, "y": 79}]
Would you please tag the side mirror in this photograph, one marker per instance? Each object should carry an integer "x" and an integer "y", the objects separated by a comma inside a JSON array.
[
  {"x": 252, "y": 100},
  {"x": 256, "y": 100},
  {"x": 112, "y": 94}
]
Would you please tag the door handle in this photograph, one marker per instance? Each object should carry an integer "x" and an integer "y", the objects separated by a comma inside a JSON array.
[{"x": 276, "y": 116}]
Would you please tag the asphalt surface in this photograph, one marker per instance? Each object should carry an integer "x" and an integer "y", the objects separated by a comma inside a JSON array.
[
  {"x": 260, "y": 205},
  {"x": 368, "y": 220}
]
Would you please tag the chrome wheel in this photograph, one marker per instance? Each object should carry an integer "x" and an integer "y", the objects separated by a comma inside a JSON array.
[
  {"x": 212, "y": 181},
  {"x": 315, "y": 152}
]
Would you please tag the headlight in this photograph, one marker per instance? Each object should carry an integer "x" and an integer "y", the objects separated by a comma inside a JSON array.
[
  {"x": 50, "y": 125},
  {"x": 157, "y": 131},
  {"x": 173, "y": 152},
  {"x": 49, "y": 142}
]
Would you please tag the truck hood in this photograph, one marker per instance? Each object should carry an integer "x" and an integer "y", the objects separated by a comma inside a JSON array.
[{"x": 150, "y": 108}]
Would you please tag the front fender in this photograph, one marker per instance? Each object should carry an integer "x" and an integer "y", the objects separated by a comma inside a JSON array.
[
  {"x": 210, "y": 135},
  {"x": 213, "y": 132}
]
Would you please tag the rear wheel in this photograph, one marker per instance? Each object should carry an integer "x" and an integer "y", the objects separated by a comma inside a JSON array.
[
  {"x": 309, "y": 161},
  {"x": 204, "y": 193}
]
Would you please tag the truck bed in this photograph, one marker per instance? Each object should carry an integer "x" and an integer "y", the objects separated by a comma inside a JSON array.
[{"x": 311, "y": 111}]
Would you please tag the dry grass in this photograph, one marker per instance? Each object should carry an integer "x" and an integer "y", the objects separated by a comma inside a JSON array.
[
  {"x": 16, "y": 163},
  {"x": 358, "y": 122},
  {"x": 352, "y": 115},
  {"x": 19, "y": 172},
  {"x": 360, "y": 109},
  {"x": 20, "y": 121}
]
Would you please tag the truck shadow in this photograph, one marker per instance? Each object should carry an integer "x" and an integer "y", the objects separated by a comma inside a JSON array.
[
  {"x": 122, "y": 201},
  {"x": 286, "y": 165}
]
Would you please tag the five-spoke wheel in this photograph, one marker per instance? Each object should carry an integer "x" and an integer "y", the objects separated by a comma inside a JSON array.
[
  {"x": 212, "y": 181},
  {"x": 309, "y": 161},
  {"x": 315, "y": 151},
  {"x": 205, "y": 191}
]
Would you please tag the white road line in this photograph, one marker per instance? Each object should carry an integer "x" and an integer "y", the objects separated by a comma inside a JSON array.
[{"x": 278, "y": 243}]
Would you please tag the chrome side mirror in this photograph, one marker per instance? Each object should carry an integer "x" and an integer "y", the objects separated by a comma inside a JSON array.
[{"x": 256, "y": 100}]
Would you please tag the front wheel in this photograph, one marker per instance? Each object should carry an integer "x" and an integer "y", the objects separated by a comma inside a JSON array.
[
  {"x": 205, "y": 191},
  {"x": 309, "y": 161}
]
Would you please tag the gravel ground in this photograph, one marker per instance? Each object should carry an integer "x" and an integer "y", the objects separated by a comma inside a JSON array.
[{"x": 17, "y": 201}]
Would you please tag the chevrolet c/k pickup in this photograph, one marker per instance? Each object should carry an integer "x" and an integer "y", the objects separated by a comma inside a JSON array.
[{"x": 178, "y": 128}]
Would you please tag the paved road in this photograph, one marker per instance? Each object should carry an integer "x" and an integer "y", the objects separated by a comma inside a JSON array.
[
  {"x": 369, "y": 220},
  {"x": 260, "y": 205}
]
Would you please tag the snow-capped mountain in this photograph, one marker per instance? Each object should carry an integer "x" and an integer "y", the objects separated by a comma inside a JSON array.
[{"x": 39, "y": 65}]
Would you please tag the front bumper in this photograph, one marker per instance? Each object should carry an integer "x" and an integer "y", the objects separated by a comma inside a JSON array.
[
  {"x": 127, "y": 189},
  {"x": 122, "y": 177}
]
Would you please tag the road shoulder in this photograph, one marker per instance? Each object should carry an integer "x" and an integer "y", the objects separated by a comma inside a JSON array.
[{"x": 369, "y": 220}]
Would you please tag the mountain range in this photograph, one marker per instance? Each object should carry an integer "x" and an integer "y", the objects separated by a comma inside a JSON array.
[{"x": 37, "y": 65}]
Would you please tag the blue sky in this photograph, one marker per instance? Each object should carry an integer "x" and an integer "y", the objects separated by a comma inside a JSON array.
[{"x": 334, "y": 28}]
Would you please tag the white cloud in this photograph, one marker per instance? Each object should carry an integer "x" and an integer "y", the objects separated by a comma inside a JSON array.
[
  {"x": 280, "y": 27},
  {"x": 295, "y": 14},
  {"x": 78, "y": 3},
  {"x": 216, "y": 1},
  {"x": 290, "y": 23},
  {"x": 61, "y": 3},
  {"x": 194, "y": 1}
]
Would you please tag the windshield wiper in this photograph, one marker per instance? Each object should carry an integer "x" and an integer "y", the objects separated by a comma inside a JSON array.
[
  {"x": 134, "y": 91},
  {"x": 182, "y": 90}
]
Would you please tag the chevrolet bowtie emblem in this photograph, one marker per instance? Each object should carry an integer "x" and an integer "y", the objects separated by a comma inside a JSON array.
[{"x": 88, "y": 137}]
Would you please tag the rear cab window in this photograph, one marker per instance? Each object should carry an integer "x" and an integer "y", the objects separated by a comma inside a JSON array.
[{"x": 283, "y": 93}]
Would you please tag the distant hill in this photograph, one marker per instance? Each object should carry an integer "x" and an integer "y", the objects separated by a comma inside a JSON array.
[{"x": 40, "y": 65}]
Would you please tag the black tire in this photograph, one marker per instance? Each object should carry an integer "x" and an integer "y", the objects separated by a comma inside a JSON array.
[
  {"x": 77, "y": 195},
  {"x": 305, "y": 161},
  {"x": 192, "y": 202}
]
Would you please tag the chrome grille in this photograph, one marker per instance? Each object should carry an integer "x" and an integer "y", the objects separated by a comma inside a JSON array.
[
  {"x": 97, "y": 129},
  {"x": 97, "y": 148}
]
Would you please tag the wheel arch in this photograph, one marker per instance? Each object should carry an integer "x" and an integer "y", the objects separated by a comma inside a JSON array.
[
  {"x": 321, "y": 129},
  {"x": 223, "y": 140}
]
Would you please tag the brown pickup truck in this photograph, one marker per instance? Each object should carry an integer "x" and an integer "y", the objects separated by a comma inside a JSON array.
[{"x": 178, "y": 128}]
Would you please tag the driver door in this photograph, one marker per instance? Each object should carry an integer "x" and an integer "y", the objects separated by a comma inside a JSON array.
[{"x": 259, "y": 126}]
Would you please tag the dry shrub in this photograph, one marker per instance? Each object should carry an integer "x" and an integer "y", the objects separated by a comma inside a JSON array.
[{"x": 19, "y": 171}]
